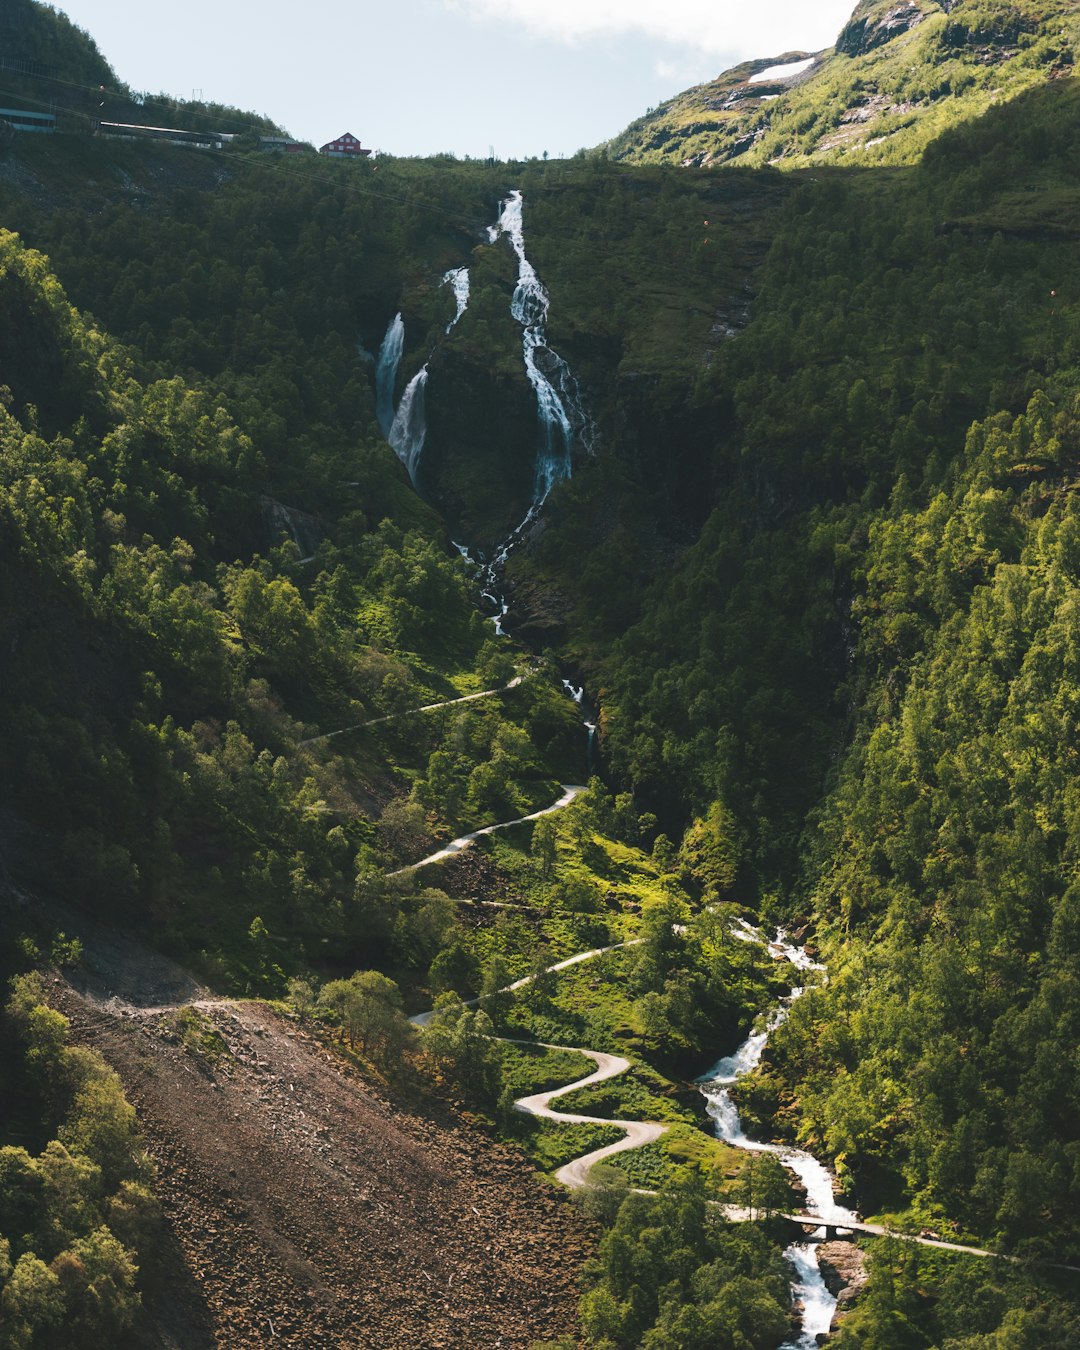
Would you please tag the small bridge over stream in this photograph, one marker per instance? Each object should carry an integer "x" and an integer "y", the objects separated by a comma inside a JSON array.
[{"x": 836, "y": 1229}]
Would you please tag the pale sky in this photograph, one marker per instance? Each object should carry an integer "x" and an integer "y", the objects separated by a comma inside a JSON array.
[{"x": 416, "y": 77}]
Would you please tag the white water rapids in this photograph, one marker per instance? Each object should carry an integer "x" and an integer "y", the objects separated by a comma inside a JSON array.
[{"x": 817, "y": 1303}]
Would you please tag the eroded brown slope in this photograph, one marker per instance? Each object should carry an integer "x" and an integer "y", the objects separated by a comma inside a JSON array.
[{"x": 311, "y": 1212}]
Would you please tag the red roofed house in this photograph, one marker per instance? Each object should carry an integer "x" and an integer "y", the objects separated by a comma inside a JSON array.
[{"x": 345, "y": 147}]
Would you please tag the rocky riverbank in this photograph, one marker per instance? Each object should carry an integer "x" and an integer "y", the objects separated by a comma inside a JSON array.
[{"x": 843, "y": 1268}]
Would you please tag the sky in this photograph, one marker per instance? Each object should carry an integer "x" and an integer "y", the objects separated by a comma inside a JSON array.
[{"x": 420, "y": 77}]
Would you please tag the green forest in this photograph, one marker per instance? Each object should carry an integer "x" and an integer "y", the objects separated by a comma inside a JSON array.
[{"x": 818, "y": 571}]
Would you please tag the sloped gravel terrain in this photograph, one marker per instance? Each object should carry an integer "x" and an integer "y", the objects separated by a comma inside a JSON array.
[{"x": 308, "y": 1210}]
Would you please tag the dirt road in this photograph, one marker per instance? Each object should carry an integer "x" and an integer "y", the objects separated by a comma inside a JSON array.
[{"x": 638, "y": 1132}]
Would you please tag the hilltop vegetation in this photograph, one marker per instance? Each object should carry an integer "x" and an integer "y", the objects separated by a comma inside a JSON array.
[
  {"x": 51, "y": 65},
  {"x": 41, "y": 43},
  {"x": 898, "y": 76}
]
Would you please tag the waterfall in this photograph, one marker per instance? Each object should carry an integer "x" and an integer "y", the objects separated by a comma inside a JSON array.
[
  {"x": 561, "y": 413},
  {"x": 386, "y": 373},
  {"x": 409, "y": 427},
  {"x": 304, "y": 529},
  {"x": 558, "y": 400},
  {"x": 458, "y": 281},
  {"x": 817, "y": 1303},
  {"x": 562, "y": 422},
  {"x": 588, "y": 718}
]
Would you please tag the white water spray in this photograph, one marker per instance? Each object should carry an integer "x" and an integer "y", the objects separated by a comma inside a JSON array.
[
  {"x": 406, "y": 429},
  {"x": 458, "y": 281},
  {"x": 409, "y": 428},
  {"x": 558, "y": 400},
  {"x": 393, "y": 344},
  {"x": 588, "y": 714},
  {"x": 562, "y": 419},
  {"x": 818, "y": 1305}
]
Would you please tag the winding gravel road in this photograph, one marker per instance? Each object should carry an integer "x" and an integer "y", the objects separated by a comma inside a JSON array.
[
  {"x": 637, "y": 1133},
  {"x": 412, "y": 712},
  {"x": 575, "y": 1174},
  {"x": 570, "y": 791}
]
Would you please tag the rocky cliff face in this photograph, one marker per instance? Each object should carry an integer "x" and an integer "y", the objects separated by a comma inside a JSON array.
[
  {"x": 861, "y": 35},
  {"x": 480, "y": 456}
]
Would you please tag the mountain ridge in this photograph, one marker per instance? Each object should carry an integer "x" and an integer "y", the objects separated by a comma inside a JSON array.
[{"x": 899, "y": 72}]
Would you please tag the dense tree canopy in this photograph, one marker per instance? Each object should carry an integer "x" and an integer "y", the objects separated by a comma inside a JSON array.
[{"x": 820, "y": 568}]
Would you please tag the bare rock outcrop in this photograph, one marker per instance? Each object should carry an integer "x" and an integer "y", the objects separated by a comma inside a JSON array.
[
  {"x": 843, "y": 1268},
  {"x": 865, "y": 32}
]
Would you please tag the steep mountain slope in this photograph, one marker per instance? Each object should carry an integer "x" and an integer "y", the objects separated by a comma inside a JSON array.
[
  {"x": 949, "y": 851},
  {"x": 45, "y": 56},
  {"x": 899, "y": 74},
  {"x": 308, "y": 1211},
  {"x": 869, "y": 644},
  {"x": 50, "y": 65},
  {"x": 818, "y": 568}
]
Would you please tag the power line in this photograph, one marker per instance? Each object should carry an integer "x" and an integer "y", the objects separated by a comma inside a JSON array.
[
  {"x": 274, "y": 164},
  {"x": 473, "y": 222}
]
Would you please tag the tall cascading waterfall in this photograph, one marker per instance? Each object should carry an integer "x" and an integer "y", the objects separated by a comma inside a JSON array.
[
  {"x": 406, "y": 429},
  {"x": 560, "y": 409},
  {"x": 558, "y": 399},
  {"x": 561, "y": 413},
  {"x": 817, "y": 1303},
  {"x": 386, "y": 373},
  {"x": 562, "y": 418}
]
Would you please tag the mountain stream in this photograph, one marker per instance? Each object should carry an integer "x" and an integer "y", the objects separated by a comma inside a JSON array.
[
  {"x": 562, "y": 421},
  {"x": 809, "y": 1288}
]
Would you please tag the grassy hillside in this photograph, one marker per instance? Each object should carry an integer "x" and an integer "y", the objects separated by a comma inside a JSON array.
[{"x": 898, "y": 76}]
